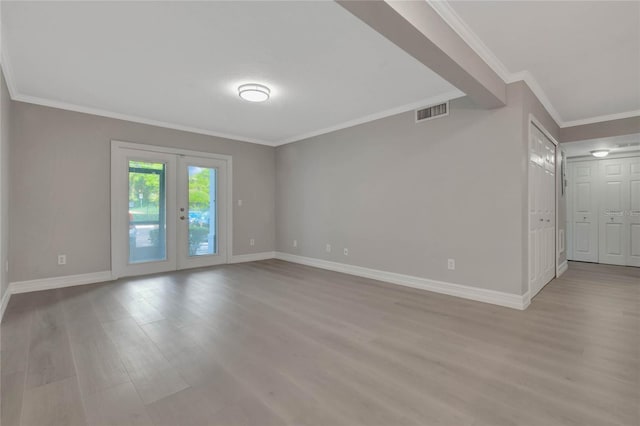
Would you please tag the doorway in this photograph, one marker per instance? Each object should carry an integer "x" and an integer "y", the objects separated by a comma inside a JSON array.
[{"x": 169, "y": 209}]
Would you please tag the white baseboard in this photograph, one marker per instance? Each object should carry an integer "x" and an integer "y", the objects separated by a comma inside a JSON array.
[
  {"x": 59, "y": 282},
  {"x": 4, "y": 303},
  {"x": 473, "y": 293},
  {"x": 562, "y": 268},
  {"x": 252, "y": 257}
]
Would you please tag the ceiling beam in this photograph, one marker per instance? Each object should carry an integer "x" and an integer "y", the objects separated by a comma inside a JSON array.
[
  {"x": 416, "y": 28},
  {"x": 603, "y": 129}
]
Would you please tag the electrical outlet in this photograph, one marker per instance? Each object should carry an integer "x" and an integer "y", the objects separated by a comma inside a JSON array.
[
  {"x": 252, "y": 242},
  {"x": 295, "y": 243},
  {"x": 346, "y": 252},
  {"x": 328, "y": 248},
  {"x": 239, "y": 203},
  {"x": 451, "y": 264},
  {"x": 62, "y": 259}
]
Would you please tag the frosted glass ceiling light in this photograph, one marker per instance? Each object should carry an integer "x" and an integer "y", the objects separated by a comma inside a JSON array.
[
  {"x": 254, "y": 92},
  {"x": 600, "y": 153}
]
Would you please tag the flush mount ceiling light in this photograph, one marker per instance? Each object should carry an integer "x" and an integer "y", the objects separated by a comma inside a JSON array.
[
  {"x": 600, "y": 153},
  {"x": 254, "y": 92}
]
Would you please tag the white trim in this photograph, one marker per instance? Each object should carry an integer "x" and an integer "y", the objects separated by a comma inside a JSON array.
[
  {"x": 59, "y": 282},
  {"x": 602, "y": 118},
  {"x": 538, "y": 124},
  {"x": 168, "y": 150},
  {"x": 612, "y": 155},
  {"x": 433, "y": 100},
  {"x": 472, "y": 293},
  {"x": 535, "y": 87},
  {"x": 132, "y": 118},
  {"x": 562, "y": 268},
  {"x": 8, "y": 73},
  {"x": 252, "y": 257},
  {"x": 459, "y": 26},
  {"x": 4, "y": 303}
]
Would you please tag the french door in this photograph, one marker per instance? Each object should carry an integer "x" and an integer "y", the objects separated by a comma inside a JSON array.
[{"x": 169, "y": 210}]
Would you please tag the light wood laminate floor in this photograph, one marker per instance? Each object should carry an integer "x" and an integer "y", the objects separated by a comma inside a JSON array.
[{"x": 271, "y": 343}]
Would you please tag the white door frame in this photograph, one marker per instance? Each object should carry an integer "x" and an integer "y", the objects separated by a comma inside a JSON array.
[
  {"x": 534, "y": 121},
  {"x": 115, "y": 192}
]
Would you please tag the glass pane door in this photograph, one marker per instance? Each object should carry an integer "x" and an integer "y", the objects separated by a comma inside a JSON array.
[
  {"x": 201, "y": 198},
  {"x": 202, "y": 211},
  {"x": 147, "y": 212},
  {"x": 143, "y": 198}
]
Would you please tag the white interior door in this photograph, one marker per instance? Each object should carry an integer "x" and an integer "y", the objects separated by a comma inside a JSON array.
[
  {"x": 542, "y": 213},
  {"x": 201, "y": 212},
  {"x": 584, "y": 211},
  {"x": 614, "y": 200},
  {"x": 169, "y": 211},
  {"x": 634, "y": 211}
]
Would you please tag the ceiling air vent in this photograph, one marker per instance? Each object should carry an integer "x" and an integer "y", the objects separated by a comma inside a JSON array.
[{"x": 432, "y": 112}]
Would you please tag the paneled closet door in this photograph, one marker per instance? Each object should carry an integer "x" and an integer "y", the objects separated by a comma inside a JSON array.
[
  {"x": 634, "y": 211},
  {"x": 614, "y": 205},
  {"x": 542, "y": 186},
  {"x": 584, "y": 214}
]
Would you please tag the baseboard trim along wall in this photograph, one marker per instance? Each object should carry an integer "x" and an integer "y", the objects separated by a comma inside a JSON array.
[
  {"x": 562, "y": 268},
  {"x": 58, "y": 282},
  {"x": 473, "y": 293},
  {"x": 252, "y": 257}
]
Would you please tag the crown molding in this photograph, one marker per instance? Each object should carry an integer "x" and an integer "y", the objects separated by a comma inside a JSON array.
[
  {"x": 457, "y": 24},
  {"x": 442, "y": 8},
  {"x": 454, "y": 94},
  {"x": 450, "y": 16},
  {"x": 460, "y": 27},
  {"x": 601, "y": 118},
  {"x": 8, "y": 73},
  {"x": 535, "y": 87}
]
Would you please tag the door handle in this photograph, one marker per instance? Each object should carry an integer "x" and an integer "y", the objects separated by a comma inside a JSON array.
[{"x": 181, "y": 217}]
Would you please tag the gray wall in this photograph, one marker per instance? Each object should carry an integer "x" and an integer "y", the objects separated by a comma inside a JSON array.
[
  {"x": 404, "y": 197},
  {"x": 5, "y": 121},
  {"x": 60, "y": 188}
]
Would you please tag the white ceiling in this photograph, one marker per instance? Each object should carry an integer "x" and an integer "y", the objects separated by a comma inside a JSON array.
[
  {"x": 179, "y": 64},
  {"x": 584, "y": 55},
  {"x": 616, "y": 145}
]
